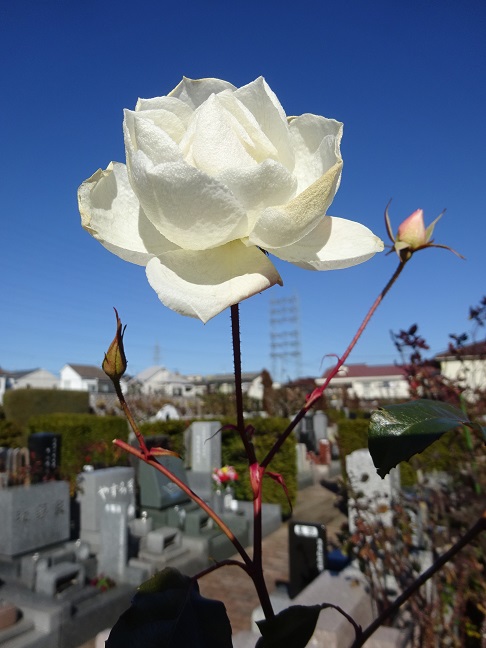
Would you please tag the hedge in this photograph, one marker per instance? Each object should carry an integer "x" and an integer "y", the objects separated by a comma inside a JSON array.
[
  {"x": 21, "y": 404},
  {"x": 11, "y": 435},
  {"x": 85, "y": 439}
]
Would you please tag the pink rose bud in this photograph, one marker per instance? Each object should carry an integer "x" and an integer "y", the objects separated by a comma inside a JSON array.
[
  {"x": 412, "y": 235},
  {"x": 412, "y": 230},
  {"x": 115, "y": 363}
]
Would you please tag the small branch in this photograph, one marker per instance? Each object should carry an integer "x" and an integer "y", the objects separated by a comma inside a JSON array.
[
  {"x": 223, "y": 563},
  {"x": 317, "y": 393},
  {"x": 475, "y": 530},
  {"x": 356, "y": 626}
]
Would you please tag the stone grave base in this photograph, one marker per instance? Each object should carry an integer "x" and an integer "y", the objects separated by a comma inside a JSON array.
[
  {"x": 347, "y": 590},
  {"x": 66, "y": 623}
]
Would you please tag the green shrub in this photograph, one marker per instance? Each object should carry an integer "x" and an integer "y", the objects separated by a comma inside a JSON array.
[
  {"x": 11, "y": 435},
  {"x": 21, "y": 404},
  {"x": 85, "y": 438}
]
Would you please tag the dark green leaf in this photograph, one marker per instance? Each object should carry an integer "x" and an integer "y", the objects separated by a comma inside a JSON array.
[
  {"x": 169, "y": 612},
  {"x": 292, "y": 628},
  {"x": 397, "y": 432}
]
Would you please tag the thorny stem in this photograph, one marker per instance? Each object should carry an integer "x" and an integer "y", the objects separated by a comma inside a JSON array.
[
  {"x": 475, "y": 530},
  {"x": 256, "y": 571},
  {"x": 317, "y": 393},
  {"x": 240, "y": 421}
]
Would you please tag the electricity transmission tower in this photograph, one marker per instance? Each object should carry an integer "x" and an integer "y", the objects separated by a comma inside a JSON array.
[{"x": 285, "y": 348}]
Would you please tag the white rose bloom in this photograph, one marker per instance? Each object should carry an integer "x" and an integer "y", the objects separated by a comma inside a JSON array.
[{"x": 214, "y": 175}]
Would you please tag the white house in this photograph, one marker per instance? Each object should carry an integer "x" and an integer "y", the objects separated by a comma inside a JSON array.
[
  {"x": 31, "y": 378},
  {"x": 85, "y": 378},
  {"x": 467, "y": 366},
  {"x": 251, "y": 384},
  {"x": 163, "y": 382},
  {"x": 374, "y": 382}
]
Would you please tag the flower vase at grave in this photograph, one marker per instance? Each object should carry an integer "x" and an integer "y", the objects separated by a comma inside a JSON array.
[
  {"x": 228, "y": 498},
  {"x": 218, "y": 501}
]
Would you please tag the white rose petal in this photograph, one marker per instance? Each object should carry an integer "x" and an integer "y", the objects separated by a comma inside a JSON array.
[
  {"x": 195, "y": 92},
  {"x": 315, "y": 141},
  {"x": 286, "y": 224},
  {"x": 202, "y": 284},
  {"x": 214, "y": 172},
  {"x": 110, "y": 211},
  {"x": 335, "y": 243},
  {"x": 190, "y": 208}
]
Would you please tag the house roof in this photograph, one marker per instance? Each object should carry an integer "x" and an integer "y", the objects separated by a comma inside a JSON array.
[
  {"x": 88, "y": 371},
  {"x": 367, "y": 371},
  {"x": 474, "y": 350},
  {"x": 246, "y": 376},
  {"x": 20, "y": 373},
  {"x": 166, "y": 376}
]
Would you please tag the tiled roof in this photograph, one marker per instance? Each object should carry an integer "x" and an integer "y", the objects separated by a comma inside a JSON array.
[
  {"x": 246, "y": 376},
  {"x": 17, "y": 374},
  {"x": 475, "y": 350},
  {"x": 89, "y": 371},
  {"x": 367, "y": 371}
]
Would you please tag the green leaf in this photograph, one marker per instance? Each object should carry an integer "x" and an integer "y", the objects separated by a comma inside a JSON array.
[
  {"x": 292, "y": 628},
  {"x": 397, "y": 432}
]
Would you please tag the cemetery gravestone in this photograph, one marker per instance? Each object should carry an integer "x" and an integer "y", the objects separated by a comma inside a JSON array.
[
  {"x": 320, "y": 426},
  {"x": 370, "y": 494},
  {"x": 156, "y": 490},
  {"x": 307, "y": 554},
  {"x": 33, "y": 517},
  {"x": 99, "y": 488},
  {"x": 113, "y": 555},
  {"x": 205, "y": 452}
]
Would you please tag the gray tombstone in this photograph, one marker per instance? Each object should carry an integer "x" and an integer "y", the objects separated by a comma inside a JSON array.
[
  {"x": 113, "y": 554},
  {"x": 320, "y": 426},
  {"x": 371, "y": 496},
  {"x": 157, "y": 491},
  {"x": 305, "y": 475},
  {"x": 205, "y": 440},
  {"x": 98, "y": 488},
  {"x": 205, "y": 452},
  {"x": 33, "y": 517}
]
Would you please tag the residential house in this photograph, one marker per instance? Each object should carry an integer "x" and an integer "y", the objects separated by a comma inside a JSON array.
[
  {"x": 467, "y": 366},
  {"x": 30, "y": 378},
  {"x": 85, "y": 378},
  {"x": 160, "y": 381},
  {"x": 367, "y": 382},
  {"x": 251, "y": 384}
]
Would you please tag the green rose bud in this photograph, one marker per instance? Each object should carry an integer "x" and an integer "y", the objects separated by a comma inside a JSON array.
[{"x": 115, "y": 363}]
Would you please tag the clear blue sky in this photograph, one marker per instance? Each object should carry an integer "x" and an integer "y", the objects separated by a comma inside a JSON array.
[{"x": 407, "y": 78}]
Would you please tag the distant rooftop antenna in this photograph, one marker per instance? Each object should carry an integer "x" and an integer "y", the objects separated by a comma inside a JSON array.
[
  {"x": 156, "y": 354},
  {"x": 285, "y": 347}
]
